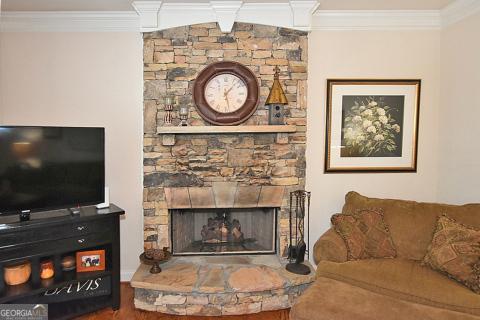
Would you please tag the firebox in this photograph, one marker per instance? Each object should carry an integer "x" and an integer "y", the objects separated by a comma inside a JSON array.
[{"x": 223, "y": 231}]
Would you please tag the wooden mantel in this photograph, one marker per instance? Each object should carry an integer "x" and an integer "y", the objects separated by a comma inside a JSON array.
[
  {"x": 226, "y": 129},
  {"x": 170, "y": 132}
]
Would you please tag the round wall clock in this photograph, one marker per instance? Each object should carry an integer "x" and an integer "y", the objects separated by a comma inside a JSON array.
[{"x": 226, "y": 93}]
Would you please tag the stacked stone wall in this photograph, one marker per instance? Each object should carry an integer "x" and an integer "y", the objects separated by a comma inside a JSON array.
[{"x": 172, "y": 60}]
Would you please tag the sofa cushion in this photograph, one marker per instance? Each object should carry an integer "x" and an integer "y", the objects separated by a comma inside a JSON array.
[
  {"x": 411, "y": 223},
  {"x": 330, "y": 246},
  {"x": 404, "y": 279},
  {"x": 455, "y": 251},
  {"x": 365, "y": 234},
  {"x": 328, "y": 299}
]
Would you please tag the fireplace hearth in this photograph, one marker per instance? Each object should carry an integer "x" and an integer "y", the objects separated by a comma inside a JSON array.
[{"x": 223, "y": 231}]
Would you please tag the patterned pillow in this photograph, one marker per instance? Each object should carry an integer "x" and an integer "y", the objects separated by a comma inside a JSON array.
[
  {"x": 365, "y": 234},
  {"x": 455, "y": 251}
]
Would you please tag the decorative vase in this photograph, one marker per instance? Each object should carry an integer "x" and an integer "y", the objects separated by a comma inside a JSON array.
[
  {"x": 183, "y": 114},
  {"x": 46, "y": 269},
  {"x": 17, "y": 273},
  {"x": 68, "y": 263}
]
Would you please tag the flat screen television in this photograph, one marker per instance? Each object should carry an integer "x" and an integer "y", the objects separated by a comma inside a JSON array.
[{"x": 46, "y": 168}]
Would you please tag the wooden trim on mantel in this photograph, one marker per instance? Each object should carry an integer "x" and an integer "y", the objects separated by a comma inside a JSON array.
[
  {"x": 226, "y": 129},
  {"x": 168, "y": 133}
]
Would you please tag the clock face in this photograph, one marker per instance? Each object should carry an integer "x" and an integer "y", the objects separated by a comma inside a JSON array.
[{"x": 225, "y": 93}]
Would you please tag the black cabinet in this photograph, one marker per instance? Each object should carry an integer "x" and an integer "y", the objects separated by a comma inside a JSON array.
[{"x": 52, "y": 235}]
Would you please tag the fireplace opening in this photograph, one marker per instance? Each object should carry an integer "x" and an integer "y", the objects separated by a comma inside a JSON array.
[{"x": 223, "y": 231}]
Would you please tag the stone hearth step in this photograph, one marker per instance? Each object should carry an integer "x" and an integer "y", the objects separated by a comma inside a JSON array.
[{"x": 218, "y": 285}]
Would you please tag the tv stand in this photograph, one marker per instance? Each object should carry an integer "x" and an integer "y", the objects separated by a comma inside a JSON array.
[{"x": 53, "y": 236}]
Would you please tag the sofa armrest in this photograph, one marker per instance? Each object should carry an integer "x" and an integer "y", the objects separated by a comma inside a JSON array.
[{"x": 330, "y": 247}]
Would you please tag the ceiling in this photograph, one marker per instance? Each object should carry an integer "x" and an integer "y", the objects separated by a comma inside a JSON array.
[{"x": 125, "y": 5}]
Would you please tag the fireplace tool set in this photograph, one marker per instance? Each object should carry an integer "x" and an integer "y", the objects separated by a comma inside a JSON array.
[{"x": 299, "y": 210}]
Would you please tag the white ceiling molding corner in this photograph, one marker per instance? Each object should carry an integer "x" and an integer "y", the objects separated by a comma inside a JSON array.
[
  {"x": 302, "y": 12},
  {"x": 226, "y": 13},
  {"x": 376, "y": 20},
  {"x": 148, "y": 12},
  {"x": 459, "y": 10}
]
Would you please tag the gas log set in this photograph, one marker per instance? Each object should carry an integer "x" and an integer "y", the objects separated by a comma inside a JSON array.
[{"x": 221, "y": 230}]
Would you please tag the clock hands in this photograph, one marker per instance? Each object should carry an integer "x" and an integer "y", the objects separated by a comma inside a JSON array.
[
  {"x": 227, "y": 91},
  {"x": 225, "y": 96}
]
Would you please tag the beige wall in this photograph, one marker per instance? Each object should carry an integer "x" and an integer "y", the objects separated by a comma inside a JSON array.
[
  {"x": 371, "y": 54},
  {"x": 459, "y": 174},
  {"x": 84, "y": 79}
]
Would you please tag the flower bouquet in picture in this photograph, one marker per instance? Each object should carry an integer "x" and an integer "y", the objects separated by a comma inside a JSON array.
[
  {"x": 372, "y": 128},
  {"x": 372, "y": 125}
]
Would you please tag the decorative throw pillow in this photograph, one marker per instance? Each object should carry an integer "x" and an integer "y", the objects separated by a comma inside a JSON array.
[
  {"x": 365, "y": 234},
  {"x": 455, "y": 251}
]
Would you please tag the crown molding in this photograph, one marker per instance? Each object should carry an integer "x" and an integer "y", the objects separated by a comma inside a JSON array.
[
  {"x": 459, "y": 10},
  {"x": 148, "y": 12},
  {"x": 295, "y": 14},
  {"x": 71, "y": 21},
  {"x": 174, "y": 15},
  {"x": 225, "y": 13},
  {"x": 279, "y": 15},
  {"x": 302, "y": 12},
  {"x": 376, "y": 20}
]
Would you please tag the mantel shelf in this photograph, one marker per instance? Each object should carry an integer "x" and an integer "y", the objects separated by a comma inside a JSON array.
[
  {"x": 227, "y": 129},
  {"x": 168, "y": 133}
]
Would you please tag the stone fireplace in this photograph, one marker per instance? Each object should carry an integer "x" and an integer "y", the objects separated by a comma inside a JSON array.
[
  {"x": 172, "y": 59},
  {"x": 218, "y": 197}
]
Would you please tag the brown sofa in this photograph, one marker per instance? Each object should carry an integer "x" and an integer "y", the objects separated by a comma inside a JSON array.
[{"x": 389, "y": 289}]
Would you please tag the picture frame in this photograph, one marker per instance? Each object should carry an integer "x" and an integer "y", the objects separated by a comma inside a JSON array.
[
  {"x": 93, "y": 260},
  {"x": 372, "y": 125}
]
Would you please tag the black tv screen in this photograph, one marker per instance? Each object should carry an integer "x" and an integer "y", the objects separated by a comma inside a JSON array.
[{"x": 44, "y": 168}]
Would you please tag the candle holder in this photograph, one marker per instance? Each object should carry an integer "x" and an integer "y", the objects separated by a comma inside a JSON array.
[
  {"x": 167, "y": 119},
  {"x": 183, "y": 113}
]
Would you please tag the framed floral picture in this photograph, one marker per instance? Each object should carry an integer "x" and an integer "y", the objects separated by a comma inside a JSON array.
[{"x": 372, "y": 125}]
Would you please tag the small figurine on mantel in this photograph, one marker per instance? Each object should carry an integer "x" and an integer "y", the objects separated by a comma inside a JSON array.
[
  {"x": 167, "y": 118},
  {"x": 275, "y": 101}
]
